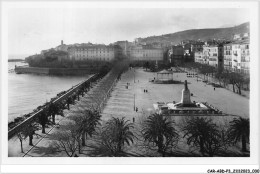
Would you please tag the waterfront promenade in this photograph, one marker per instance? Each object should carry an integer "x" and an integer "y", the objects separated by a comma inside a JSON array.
[
  {"x": 94, "y": 98},
  {"x": 123, "y": 99}
]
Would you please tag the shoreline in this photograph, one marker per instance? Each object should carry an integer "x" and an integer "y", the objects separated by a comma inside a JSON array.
[{"x": 55, "y": 71}]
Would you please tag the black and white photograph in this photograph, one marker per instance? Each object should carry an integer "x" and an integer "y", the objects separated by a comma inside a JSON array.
[{"x": 111, "y": 82}]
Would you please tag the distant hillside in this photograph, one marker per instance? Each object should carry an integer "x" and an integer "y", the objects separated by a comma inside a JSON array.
[{"x": 202, "y": 34}]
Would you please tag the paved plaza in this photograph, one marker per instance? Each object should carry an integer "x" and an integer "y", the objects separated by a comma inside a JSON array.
[{"x": 123, "y": 100}]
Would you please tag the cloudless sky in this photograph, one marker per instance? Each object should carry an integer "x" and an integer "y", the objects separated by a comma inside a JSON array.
[{"x": 31, "y": 30}]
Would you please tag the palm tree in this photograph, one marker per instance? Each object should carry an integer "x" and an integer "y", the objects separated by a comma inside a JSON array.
[
  {"x": 239, "y": 130},
  {"x": 87, "y": 123},
  {"x": 116, "y": 133},
  {"x": 203, "y": 133},
  {"x": 159, "y": 130}
]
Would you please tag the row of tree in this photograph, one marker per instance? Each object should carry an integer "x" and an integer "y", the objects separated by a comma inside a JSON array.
[
  {"x": 45, "y": 119},
  {"x": 158, "y": 133},
  {"x": 198, "y": 132},
  {"x": 224, "y": 76},
  {"x": 49, "y": 111}
]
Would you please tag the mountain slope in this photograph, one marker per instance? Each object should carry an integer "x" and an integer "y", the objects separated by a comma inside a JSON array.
[{"x": 202, "y": 34}]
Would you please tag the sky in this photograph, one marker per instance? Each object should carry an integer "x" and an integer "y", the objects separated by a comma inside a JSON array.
[{"x": 31, "y": 30}]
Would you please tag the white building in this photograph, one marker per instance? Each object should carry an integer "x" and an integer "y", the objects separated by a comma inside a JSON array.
[
  {"x": 97, "y": 52},
  {"x": 143, "y": 53},
  {"x": 199, "y": 57}
]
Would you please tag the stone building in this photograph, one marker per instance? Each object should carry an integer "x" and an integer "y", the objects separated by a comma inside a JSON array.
[
  {"x": 146, "y": 53},
  {"x": 62, "y": 47},
  {"x": 94, "y": 52}
]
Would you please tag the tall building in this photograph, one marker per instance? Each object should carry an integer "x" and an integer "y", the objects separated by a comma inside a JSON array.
[
  {"x": 228, "y": 56},
  {"x": 213, "y": 55},
  {"x": 245, "y": 57},
  {"x": 236, "y": 56},
  {"x": 241, "y": 56},
  {"x": 176, "y": 54}
]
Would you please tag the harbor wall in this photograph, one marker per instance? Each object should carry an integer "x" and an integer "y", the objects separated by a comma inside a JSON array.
[
  {"x": 72, "y": 71},
  {"x": 33, "y": 70},
  {"x": 56, "y": 71}
]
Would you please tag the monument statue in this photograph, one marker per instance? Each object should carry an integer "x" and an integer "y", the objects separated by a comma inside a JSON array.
[{"x": 185, "y": 99}]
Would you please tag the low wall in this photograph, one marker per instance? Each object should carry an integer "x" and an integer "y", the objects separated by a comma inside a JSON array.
[
  {"x": 72, "y": 71},
  {"x": 33, "y": 70},
  {"x": 55, "y": 71}
]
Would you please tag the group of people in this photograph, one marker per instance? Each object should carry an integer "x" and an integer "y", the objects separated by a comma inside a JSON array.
[{"x": 145, "y": 90}]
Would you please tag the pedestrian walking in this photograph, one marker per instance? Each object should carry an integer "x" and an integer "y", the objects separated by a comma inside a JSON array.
[
  {"x": 144, "y": 90},
  {"x": 136, "y": 109},
  {"x": 133, "y": 119},
  {"x": 214, "y": 89}
]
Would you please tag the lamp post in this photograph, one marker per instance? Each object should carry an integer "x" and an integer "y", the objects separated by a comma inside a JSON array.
[
  {"x": 134, "y": 102},
  {"x": 134, "y": 75}
]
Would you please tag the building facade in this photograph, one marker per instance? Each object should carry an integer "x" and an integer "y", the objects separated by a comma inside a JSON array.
[
  {"x": 236, "y": 56},
  {"x": 145, "y": 53},
  {"x": 95, "y": 52},
  {"x": 213, "y": 55},
  {"x": 199, "y": 57},
  {"x": 245, "y": 57},
  {"x": 124, "y": 45},
  {"x": 205, "y": 53},
  {"x": 185, "y": 52},
  {"x": 176, "y": 54},
  {"x": 228, "y": 56},
  {"x": 216, "y": 56}
]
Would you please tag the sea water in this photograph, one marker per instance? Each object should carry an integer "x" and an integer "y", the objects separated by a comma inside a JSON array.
[{"x": 28, "y": 91}]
